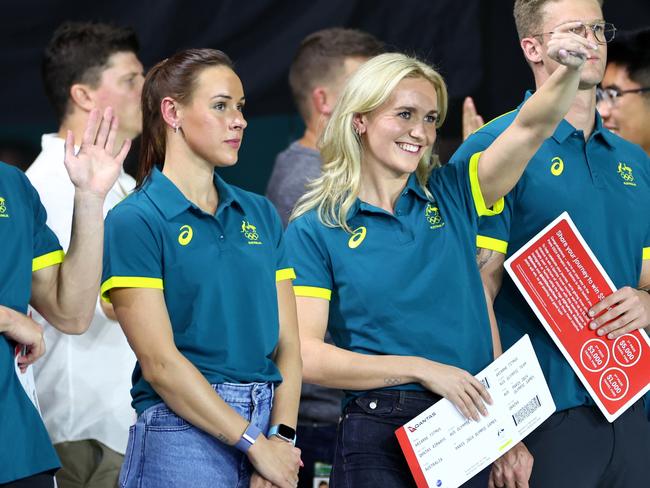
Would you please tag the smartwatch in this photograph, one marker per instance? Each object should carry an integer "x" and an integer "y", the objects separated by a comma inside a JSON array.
[
  {"x": 284, "y": 432},
  {"x": 248, "y": 438}
]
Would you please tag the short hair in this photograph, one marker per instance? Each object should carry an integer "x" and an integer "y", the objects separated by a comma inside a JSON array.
[
  {"x": 528, "y": 16},
  {"x": 78, "y": 52},
  {"x": 320, "y": 57},
  {"x": 631, "y": 50}
]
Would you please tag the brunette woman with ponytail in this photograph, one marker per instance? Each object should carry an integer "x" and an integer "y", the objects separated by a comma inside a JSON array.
[{"x": 196, "y": 271}]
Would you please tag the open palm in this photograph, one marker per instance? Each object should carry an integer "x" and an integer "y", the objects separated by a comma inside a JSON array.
[{"x": 96, "y": 167}]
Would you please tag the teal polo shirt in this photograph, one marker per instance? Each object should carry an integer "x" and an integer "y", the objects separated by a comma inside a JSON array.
[
  {"x": 604, "y": 184},
  {"x": 217, "y": 272},
  {"x": 403, "y": 283},
  {"x": 28, "y": 245}
]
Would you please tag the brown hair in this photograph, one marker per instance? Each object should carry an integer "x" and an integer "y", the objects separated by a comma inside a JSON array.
[
  {"x": 173, "y": 77},
  {"x": 529, "y": 16},
  {"x": 320, "y": 57},
  {"x": 78, "y": 53}
]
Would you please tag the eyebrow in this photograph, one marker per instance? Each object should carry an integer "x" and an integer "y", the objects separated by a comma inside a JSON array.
[{"x": 227, "y": 97}]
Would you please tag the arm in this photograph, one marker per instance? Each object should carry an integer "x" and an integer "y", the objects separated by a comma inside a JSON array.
[
  {"x": 625, "y": 310},
  {"x": 502, "y": 164},
  {"x": 22, "y": 329},
  {"x": 66, "y": 294},
  {"x": 333, "y": 367},
  {"x": 513, "y": 469},
  {"x": 490, "y": 266},
  {"x": 142, "y": 313},
  {"x": 287, "y": 359}
]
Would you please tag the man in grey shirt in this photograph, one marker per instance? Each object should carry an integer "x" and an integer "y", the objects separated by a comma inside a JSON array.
[{"x": 320, "y": 69}]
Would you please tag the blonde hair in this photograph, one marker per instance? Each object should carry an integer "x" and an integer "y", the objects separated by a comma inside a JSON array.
[{"x": 336, "y": 190}]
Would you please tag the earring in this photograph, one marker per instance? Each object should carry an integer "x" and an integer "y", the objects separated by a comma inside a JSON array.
[
  {"x": 357, "y": 130},
  {"x": 175, "y": 129}
]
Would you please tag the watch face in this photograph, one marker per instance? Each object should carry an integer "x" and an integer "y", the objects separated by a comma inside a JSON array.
[{"x": 286, "y": 432}]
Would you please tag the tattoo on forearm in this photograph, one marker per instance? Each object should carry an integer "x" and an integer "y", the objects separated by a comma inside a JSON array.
[
  {"x": 483, "y": 256},
  {"x": 223, "y": 438},
  {"x": 392, "y": 381}
]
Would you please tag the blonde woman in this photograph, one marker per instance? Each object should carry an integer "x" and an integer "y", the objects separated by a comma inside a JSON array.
[{"x": 383, "y": 245}]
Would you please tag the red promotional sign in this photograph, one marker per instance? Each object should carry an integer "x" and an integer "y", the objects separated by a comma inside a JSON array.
[{"x": 561, "y": 280}]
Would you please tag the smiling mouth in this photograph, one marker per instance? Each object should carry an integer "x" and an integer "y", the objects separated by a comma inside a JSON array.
[{"x": 409, "y": 148}]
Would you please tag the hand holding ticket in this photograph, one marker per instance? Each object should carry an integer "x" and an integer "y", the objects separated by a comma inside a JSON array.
[
  {"x": 562, "y": 280},
  {"x": 444, "y": 449}
]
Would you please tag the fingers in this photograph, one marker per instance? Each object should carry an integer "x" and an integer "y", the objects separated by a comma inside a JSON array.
[
  {"x": 112, "y": 134},
  {"x": 124, "y": 150},
  {"x": 625, "y": 310},
  {"x": 609, "y": 301},
  {"x": 69, "y": 146},
  {"x": 104, "y": 127},
  {"x": 496, "y": 475},
  {"x": 88, "y": 138},
  {"x": 471, "y": 119}
]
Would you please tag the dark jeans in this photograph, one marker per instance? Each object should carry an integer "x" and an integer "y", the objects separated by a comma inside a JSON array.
[
  {"x": 42, "y": 480},
  {"x": 317, "y": 444},
  {"x": 578, "y": 447},
  {"x": 367, "y": 451}
]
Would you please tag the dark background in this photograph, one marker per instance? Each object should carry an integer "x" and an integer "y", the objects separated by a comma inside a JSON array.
[{"x": 472, "y": 42}]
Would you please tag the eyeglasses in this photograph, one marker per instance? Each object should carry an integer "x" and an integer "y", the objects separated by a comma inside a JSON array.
[
  {"x": 610, "y": 95},
  {"x": 604, "y": 32}
]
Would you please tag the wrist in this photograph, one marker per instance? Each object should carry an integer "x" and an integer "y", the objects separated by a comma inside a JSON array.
[
  {"x": 282, "y": 432},
  {"x": 250, "y": 436}
]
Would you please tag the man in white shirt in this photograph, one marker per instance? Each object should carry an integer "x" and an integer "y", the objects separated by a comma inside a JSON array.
[{"x": 83, "y": 381}]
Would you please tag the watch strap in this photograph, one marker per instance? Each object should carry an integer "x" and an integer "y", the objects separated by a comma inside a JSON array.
[{"x": 248, "y": 438}]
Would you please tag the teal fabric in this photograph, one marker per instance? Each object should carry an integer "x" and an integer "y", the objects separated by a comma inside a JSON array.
[
  {"x": 604, "y": 184},
  {"x": 219, "y": 280},
  {"x": 25, "y": 447},
  {"x": 411, "y": 285}
]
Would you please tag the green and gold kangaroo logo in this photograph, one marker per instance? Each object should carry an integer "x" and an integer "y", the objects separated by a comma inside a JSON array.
[
  {"x": 3, "y": 208},
  {"x": 432, "y": 214},
  {"x": 250, "y": 232},
  {"x": 626, "y": 175}
]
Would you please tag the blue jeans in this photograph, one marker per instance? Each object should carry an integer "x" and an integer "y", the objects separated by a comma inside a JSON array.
[
  {"x": 164, "y": 450},
  {"x": 367, "y": 451}
]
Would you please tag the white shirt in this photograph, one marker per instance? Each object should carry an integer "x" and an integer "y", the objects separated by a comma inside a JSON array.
[{"x": 83, "y": 381}]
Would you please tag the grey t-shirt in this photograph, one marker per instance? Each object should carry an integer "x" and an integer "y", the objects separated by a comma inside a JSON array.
[{"x": 294, "y": 167}]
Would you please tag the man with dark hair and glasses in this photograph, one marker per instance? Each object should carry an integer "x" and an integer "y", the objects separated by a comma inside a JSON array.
[
  {"x": 624, "y": 96},
  {"x": 578, "y": 170}
]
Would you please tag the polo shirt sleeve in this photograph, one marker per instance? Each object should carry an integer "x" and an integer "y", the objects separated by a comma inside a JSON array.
[
  {"x": 462, "y": 172},
  {"x": 47, "y": 250},
  {"x": 308, "y": 256},
  {"x": 283, "y": 268},
  {"x": 132, "y": 253}
]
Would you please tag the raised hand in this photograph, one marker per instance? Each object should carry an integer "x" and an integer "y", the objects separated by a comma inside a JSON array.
[
  {"x": 458, "y": 386},
  {"x": 472, "y": 121},
  {"x": 570, "y": 49},
  {"x": 96, "y": 167}
]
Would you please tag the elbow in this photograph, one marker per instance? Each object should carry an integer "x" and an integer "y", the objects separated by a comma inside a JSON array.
[
  {"x": 70, "y": 325},
  {"x": 155, "y": 369},
  {"x": 311, "y": 365}
]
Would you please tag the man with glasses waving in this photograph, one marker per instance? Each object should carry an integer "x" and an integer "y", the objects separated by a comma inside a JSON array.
[
  {"x": 578, "y": 170},
  {"x": 624, "y": 96}
]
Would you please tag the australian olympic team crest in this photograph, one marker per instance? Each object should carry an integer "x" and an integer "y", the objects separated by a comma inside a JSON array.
[
  {"x": 3, "y": 208},
  {"x": 432, "y": 214},
  {"x": 250, "y": 232},
  {"x": 625, "y": 172}
]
